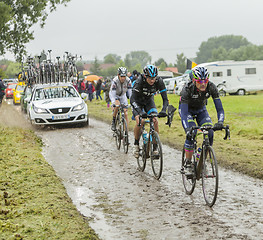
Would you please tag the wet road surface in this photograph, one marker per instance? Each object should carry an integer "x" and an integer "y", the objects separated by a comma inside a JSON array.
[{"x": 123, "y": 203}]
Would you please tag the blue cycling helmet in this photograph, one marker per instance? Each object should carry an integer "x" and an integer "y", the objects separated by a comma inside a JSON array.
[
  {"x": 150, "y": 71},
  {"x": 199, "y": 73}
]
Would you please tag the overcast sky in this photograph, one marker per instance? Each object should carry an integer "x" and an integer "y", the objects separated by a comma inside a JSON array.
[{"x": 163, "y": 28}]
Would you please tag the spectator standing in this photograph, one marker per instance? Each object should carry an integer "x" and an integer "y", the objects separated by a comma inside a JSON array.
[
  {"x": 90, "y": 90},
  {"x": 107, "y": 86},
  {"x": 98, "y": 89},
  {"x": 82, "y": 86},
  {"x": 2, "y": 90}
]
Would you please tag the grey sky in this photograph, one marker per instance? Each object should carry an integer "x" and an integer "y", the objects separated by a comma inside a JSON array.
[{"x": 162, "y": 28}]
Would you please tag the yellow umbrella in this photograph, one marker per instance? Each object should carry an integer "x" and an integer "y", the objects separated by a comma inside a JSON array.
[
  {"x": 92, "y": 78},
  {"x": 84, "y": 73}
]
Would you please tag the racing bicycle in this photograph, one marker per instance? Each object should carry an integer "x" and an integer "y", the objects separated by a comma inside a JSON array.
[
  {"x": 121, "y": 133},
  {"x": 150, "y": 147},
  {"x": 204, "y": 166}
]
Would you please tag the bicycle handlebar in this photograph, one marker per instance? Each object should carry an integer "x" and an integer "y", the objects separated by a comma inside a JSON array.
[
  {"x": 208, "y": 127},
  {"x": 150, "y": 116},
  {"x": 121, "y": 105}
]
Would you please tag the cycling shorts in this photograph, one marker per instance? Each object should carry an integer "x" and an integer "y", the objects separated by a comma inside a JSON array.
[{"x": 148, "y": 107}]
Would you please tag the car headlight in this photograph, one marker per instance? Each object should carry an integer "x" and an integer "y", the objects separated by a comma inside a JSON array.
[
  {"x": 18, "y": 95},
  {"x": 39, "y": 110},
  {"x": 78, "y": 107}
]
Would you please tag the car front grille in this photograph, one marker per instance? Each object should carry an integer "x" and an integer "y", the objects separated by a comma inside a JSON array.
[
  {"x": 59, "y": 110},
  {"x": 60, "y": 120}
]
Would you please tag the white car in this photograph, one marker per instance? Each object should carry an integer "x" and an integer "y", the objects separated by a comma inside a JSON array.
[{"x": 57, "y": 103}]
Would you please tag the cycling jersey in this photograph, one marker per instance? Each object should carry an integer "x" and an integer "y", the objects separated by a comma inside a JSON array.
[
  {"x": 193, "y": 101},
  {"x": 118, "y": 90},
  {"x": 142, "y": 93}
]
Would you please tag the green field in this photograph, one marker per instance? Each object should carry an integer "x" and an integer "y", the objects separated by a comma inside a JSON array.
[{"x": 244, "y": 114}]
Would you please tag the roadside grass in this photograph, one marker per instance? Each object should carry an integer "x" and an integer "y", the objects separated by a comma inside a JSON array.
[
  {"x": 33, "y": 201},
  {"x": 244, "y": 114}
]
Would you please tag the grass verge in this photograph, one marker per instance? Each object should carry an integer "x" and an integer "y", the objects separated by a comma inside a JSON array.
[
  {"x": 33, "y": 201},
  {"x": 244, "y": 114}
]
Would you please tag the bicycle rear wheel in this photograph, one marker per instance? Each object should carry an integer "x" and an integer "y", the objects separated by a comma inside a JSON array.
[
  {"x": 189, "y": 183},
  {"x": 141, "y": 160},
  {"x": 125, "y": 136},
  {"x": 118, "y": 133},
  {"x": 209, "y": 176},
  {"x": 156, "y": 155}
]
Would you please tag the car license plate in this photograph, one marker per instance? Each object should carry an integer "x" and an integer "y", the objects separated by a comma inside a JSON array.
[{"x": 60, "y": 117}]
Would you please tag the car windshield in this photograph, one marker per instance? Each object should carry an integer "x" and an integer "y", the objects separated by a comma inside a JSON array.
[
  {"x": 55, "y": 92},
  {"x": 20, "y": 88},
  {"x": 11, "y": 86}
]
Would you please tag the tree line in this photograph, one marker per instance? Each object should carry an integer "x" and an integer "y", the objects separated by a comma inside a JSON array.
[{"x": 18, "y": 16}]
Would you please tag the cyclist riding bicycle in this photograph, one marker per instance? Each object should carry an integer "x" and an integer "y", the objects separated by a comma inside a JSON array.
[
  {"x": 142, "y": 100},
  {"x": 119, "y": 86},
  {"x": 193, "y": 105}
]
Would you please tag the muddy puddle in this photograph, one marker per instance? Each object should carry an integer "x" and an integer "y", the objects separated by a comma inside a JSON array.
[{"x": 123, "y": 203}]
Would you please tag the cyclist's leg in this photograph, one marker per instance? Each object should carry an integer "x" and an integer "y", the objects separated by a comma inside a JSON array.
[
  {"x": 124, "y": 101},
  {"x": 114, "y": 113},
  {"x": 151, "y": 108},
  {"x": 189, "y": 145},
  {"x": 203, "y": 118},
  {"x": 137, "y": 132}
]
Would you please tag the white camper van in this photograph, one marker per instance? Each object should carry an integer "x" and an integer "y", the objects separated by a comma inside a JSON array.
[
  {"x": 176, "y": 84},
  {"x": 236, "y": 77}
]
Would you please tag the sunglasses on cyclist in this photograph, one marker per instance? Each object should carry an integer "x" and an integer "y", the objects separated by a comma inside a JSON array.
[
  {"x": 151, "y": 78},
  {"x": 201, "y": 81}
]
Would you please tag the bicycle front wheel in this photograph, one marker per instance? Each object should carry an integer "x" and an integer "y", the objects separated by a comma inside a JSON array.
[
  {"x": 141, "y": 160},
  {"x": 209, "y": 176},
  {"x": 156, "y": 155},
  {"x": 188, "y": 182},
  {"x": 125, "y": 136},
  {"x": 118, "y": 134}
]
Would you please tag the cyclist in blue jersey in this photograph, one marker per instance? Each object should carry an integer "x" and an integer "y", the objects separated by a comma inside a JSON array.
[
  {"x": 142, "y": 99},
  {"x": 192, "y": 106}
]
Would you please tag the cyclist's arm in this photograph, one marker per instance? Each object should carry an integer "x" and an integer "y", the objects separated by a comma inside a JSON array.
[
  {"x": 217, "y": 102},
  {"x": 112, "y": 93},
  {"x": 165, "y": 100},
  {"x": 163, "y": 92},
  {"x": 129, "y": 91},
  {"x": 135, "y": 95},
  {"x": 219, "y": 109},
  {"x": 184, "y": 114}
]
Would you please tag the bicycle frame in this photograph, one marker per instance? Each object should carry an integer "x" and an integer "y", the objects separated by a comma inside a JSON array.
[
  {"x": 205, "y": 168},
  {"x": 151, "y": 148},
  {"x": 121, "y": 133}
]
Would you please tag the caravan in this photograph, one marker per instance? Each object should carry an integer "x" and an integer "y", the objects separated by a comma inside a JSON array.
[{"x": 236, "y": 77}]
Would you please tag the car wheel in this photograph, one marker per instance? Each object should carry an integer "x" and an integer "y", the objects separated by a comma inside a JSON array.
[
  {"x": 222, "y": 93},
  {"x": 241, "y": 92}
]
